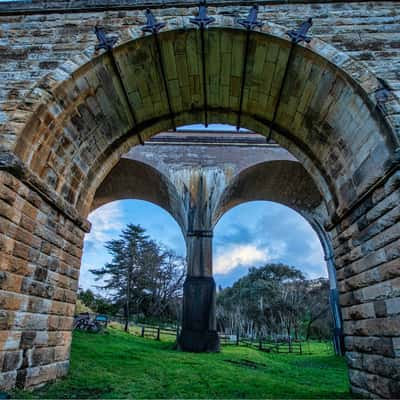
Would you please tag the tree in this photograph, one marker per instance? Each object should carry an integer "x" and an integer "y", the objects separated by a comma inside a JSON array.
[
  {"x": 94, "y": 302},
  {"x": 87, "y": 297},
  {"x": 318, "y": 318},
  {"x": 121, "y": 276},
  {"x": 273, "y": 300},
  {"x": 142, "y": 276}
]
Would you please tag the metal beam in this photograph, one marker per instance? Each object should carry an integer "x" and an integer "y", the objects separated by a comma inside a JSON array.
[
  {"x": 153, "y": 27},
  {"x": 297, "y": 36},
  {"x": 107, "y": 43},
  {"x": 202, "y": 20},
  {"x": 249, "y": 23},
  {"x": 200, "y": 233},
  {"x": 245, "y": 57},
  {"x": 203, "y": 58},
  {"x": 338, "y": 338}
]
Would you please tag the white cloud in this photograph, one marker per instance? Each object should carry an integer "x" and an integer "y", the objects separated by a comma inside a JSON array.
[
  {"x": 86, "y": 278},
  {"x": 314, "y": 260},
  {"x": 106, "y": 220},
  {"x": 316, "y": 253},
  {"x": 239, "y": 255}
]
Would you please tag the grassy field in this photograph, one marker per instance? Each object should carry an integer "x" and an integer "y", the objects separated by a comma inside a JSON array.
[{"x": 119, "y": 365}]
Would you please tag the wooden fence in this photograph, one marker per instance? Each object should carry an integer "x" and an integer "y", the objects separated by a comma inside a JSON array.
[
  {"x": 157, "y": 332},
  {"x": 284, "y": 347}
]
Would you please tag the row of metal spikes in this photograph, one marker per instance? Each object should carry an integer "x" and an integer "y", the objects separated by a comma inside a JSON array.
[{"x": 153, "y": 27}]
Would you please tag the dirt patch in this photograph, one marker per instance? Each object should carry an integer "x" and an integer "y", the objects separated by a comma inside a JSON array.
[{"x": 247, "y": 363}]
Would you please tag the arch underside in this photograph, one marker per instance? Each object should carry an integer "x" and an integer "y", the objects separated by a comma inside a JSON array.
[
  {"x": 250, "y": 174},
  {"x": 322, "y": 117},
  {"x": 132, "y": 179},
  {"x": 285, "y": 182}
]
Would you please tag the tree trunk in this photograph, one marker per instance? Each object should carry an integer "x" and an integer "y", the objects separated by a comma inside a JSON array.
[
  {"x": 308, "y": 329},
  {"x": 128, "y": 298},
  {"x": 126, "y": 317}
]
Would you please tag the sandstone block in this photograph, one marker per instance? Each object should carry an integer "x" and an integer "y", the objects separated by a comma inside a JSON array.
[
  {"x": 7, "y": 380},
  {"x": 373, "y": 345},
  {"x": 12, "y": 360},
  {"x": 359, "y": 311}
]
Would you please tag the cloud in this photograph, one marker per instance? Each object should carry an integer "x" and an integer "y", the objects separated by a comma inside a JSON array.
[
  {"x": 277, "y": 232},
  {"x": 236, "y": 232},
  {"x": 239, "y": 255},
  {"x": 315, "y": 252},
  {"x": 106, "y": 221}
]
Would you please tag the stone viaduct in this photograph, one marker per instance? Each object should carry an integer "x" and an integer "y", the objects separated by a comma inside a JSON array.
[
  {"x": 68, "y": 112},
  {"x": 197, "y": 177}
]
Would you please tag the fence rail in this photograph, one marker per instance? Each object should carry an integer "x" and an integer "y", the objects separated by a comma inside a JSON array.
[
  {"x": 269, "y": 346},
  {"x": 157, "y": 331},
  {"x": 150, "y": 331},
  {"x": 284, "y": 347}
]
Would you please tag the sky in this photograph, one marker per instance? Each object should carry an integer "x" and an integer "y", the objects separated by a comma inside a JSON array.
[{"x": 250, "y": 234}]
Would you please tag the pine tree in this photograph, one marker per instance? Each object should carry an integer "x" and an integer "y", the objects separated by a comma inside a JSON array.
[
  {"x": 142, "y": 275},
  {"x": 122, "y": 276}
]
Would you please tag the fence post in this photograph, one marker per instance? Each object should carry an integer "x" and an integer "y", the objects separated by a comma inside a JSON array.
[
  {"x": 177, "y": 333},
  {"x": 301, "y": 352},
  {"x": 142, "y": 331},
  {"x": 158, "y": 333},
  {"x": 260, "y": 344},
  {"x": 237, "y": 337}
]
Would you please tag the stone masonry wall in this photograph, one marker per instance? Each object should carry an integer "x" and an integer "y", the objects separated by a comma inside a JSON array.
[
  {"x": 40, "y": 247},
  {"x": 34, "y": 40},
  {"x": 367, "y": 249},
  {"x": 40, "y": 254}
]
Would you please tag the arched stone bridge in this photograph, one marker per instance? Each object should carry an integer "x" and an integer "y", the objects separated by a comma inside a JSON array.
[
  {"x": 197, "y": 177},
  {"x": 68, "y": 113}
]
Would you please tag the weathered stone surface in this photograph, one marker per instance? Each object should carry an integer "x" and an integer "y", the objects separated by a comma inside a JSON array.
[
  {"x": 374, "y": 384},
  {"x": 375, "y": 345},
  {"x": 65, "y": 122},
  {"x": 37, "y": 298}
]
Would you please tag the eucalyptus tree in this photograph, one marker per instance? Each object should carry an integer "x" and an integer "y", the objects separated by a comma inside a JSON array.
[{"x": 273, "y": 300}]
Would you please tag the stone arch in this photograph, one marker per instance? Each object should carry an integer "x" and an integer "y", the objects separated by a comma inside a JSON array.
[
  {"x": 76, "y": 123},
  {"x": 67, "y": 100},
  {"x": 287, "y": 182},
  {"x": 132, "y": 179},
  {"x": 284, "y": 181},
  {"x": 40, "y": 94}
]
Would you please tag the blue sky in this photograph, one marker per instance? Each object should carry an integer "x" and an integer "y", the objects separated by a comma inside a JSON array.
[{"x": 251, "y": 234}]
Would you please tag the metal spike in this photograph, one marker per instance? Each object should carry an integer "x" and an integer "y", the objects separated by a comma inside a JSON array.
[
  {"x": 202, "y": 20},
  {"x": 300, "y": 34},
  {"x": 251, "y": 21},
  {"x": 382, "y": 95},
  {"x": 106, "y": 42},
  {"x": 152, "y": 26}
]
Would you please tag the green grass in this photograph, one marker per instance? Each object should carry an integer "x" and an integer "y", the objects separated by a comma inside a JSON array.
[{"x": 120, "y": 365}]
